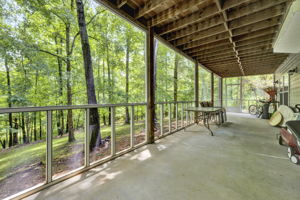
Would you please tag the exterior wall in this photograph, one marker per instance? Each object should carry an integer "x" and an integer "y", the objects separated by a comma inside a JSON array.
[
  {"x": 292, "y": 62},
  {"x": 295, "y": 89}
]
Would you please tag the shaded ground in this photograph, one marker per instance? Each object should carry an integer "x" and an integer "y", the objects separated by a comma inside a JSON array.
[{"x": 23, "y": 166}]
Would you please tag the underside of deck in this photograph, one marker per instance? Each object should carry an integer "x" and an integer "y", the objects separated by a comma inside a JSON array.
[{"x": 242, "y": 161}]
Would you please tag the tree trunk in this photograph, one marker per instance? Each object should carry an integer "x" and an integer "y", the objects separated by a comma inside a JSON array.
[
  {"x": 89, "y": 76},
  {"x": 40, "y": 117},
  {"x": 175, "y": 92},
  {"x": 127, "y": 118},
  {"x": 15, "y": 133},
  {"x": 10, "y": 120},
  {"x": 69, "y": 87},
  {"x": 60, "y": 121},
  {"x": 25, "y": 139}
]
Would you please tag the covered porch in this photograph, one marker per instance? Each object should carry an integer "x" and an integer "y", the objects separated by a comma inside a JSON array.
[
  {"x": 242, "y": 161},
  {"x": 125, "y": 133}
]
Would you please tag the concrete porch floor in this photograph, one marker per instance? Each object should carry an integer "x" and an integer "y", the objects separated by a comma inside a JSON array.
[{"x": 242, "y": 161}]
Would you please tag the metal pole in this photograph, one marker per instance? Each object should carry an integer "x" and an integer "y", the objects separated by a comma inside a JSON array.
[
  {"x": 87, "y": 138},
  {"x": 132, "y": 127},
  {"x": 212, "y": 89},
  {"x": 49, "y": 147},
  {"x": 113, "y": 132}
]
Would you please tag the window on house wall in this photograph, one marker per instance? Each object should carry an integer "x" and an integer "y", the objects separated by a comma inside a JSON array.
[{"x": 284, "y": 90}]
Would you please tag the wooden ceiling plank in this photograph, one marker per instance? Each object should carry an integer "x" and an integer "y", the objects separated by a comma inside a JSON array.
[
  {"x": 252, "y": 8},
  {"x": 208, "y": 46},
  {"x": 257, "y": 26},
  {"x": 200, "y": 35},
  {"x": 220, "y": 55},
  {"x": 233, "y": 3},
  {"x": 198, "y": 16},
  {"x": 255, "y": 40},
  {"x": 214, "y": 50},
  {"x": 203, "y": 25},
  {"x": 174, "y": 11},
  {"x": 208, "y": 40},
  {"x": 256, "y": 34},
  {"x": 149, "y": 6},
  {"x": 258, "y": 16}
]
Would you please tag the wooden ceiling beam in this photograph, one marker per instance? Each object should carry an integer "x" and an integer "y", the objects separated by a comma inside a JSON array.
[
  {"x": 198, "y": 16},
  {"x": 209, "y": 46},
  {"x": 214, "y": 50},
  {"x": 207, "y": 40},
  {"x": 215, "y": 62},
  {"x": 219, "y": 5},
  {"x": 255, "y": 40},
  {"x": 216, "y": 58},
  {"x": 149, "y": 6},
  {"x": 173, "y": 12},
  {"x": 220, "y": 55},
  {"x": 256, "y": 34},
  {"x": 260, "y": 49},
  {"x": 258, "y": 16},
  {"x": 233, "y": 3},
  {"x": 121, "y": 3},
  {"x": 254, "y": 46},
  {"x": 200, "y": 35},
  {"x": 252, "y": 8},
  {"x": 203, "y": 25},
  {"x": 257, "y": 26}
]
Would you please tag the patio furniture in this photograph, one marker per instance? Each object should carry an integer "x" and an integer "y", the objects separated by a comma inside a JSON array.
[{"x": 207, "y": 114}]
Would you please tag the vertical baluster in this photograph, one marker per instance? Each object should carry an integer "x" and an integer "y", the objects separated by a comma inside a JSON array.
[
  {"x": 113, "y": 132},
  {"x": 87, "y": 138},
  {"x": 162, "y": 116},
  {"x": 176, "y": 104},
  {"x": 170, "y": 117},
  {"x": 182, "y": 113},
  {"x": 49, "y": 147},
  {"x": 187, "y": 115},
  {"x": 132, "y": 127}
]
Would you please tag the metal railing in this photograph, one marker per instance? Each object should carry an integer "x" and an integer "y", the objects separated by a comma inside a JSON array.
[
  {"x": 241, "y": 104},
  {"x": 181, "y": 120}
]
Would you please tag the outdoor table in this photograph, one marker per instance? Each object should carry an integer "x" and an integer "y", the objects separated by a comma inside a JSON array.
[{"x": 205, "y": 114}]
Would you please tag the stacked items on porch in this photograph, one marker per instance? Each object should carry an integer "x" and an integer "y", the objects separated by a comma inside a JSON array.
[{"x": 289, "y": 121}]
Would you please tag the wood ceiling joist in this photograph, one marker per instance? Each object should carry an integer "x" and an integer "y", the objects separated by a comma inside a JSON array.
[
  {"x": 233, "y": 3},
  {"x": 267, "y": 48},
  {"x": 200, "y": 35},
  {"x": 198, "y": 16},
  {"x": 257, "y": 55},
  {"x": 257, "y": 17},
  {"x": 254, "y": 46},
  {"x": 216, "y": 62},
  {"x": 207, "y": 40},
  {"x": 203, "y": 25},
  {"x": 257, "y": 26},
  {"x": 218, "y": 3},
  {"x": 255, "y": 34},
  {"x": 252, "y": 8},
  {"x": 213, "y": 51},
  {"x": 148, "y": 7},
  {"x": 217, "y": 44},
  {"x": 173, "y": 12},
  {"x": 218, "y": 58},
  {"x": 213, "y": 56},
  {"x": 255, "y": 40}
]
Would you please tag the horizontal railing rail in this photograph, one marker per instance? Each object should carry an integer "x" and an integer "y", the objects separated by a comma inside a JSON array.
[{"x": 176, "y": 119}]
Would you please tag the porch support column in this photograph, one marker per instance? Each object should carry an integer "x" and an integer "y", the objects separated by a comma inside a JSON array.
[
  {"x": 212, "y": 88},
  {"x": 196, "y": 84},
  {"x": 150, "y": 85}
]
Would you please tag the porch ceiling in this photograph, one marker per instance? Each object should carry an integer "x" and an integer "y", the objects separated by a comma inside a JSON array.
[{"x": 229, "y": 37}]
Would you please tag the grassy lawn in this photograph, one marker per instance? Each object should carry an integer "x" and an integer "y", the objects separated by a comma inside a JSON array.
[{"x": 21, "y": 157}]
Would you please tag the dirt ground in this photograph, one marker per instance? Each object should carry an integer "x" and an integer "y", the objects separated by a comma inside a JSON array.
[{"x": 27, "y": 176}]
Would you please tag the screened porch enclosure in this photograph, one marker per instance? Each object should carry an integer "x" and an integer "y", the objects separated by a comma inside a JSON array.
[{"x": 85, "y": 84}]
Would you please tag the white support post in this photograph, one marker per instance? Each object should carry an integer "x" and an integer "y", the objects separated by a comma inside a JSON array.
[{"x": 49, "y": 148}]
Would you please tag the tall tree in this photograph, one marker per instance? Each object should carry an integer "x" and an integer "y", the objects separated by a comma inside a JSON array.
[{"x": 89, "y": 76}]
